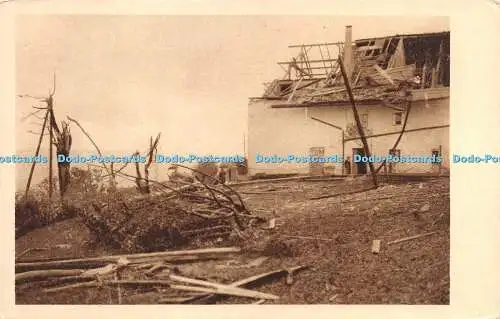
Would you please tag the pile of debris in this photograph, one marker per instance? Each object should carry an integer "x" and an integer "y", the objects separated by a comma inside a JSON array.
[
  {"x": 136, "y": 277},
  {"x": 170, "y": 217}
]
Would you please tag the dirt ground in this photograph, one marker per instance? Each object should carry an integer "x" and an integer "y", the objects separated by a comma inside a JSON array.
[{"x": 333, "y": 236}]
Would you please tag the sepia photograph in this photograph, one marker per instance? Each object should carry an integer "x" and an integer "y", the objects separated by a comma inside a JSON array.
[{"x": 232, "y": 159}]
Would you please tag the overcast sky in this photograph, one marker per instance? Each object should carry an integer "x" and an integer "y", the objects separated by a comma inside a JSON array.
[{"x": 189, "y": 77}]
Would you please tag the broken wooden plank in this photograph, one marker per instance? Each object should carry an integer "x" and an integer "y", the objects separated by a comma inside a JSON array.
[
  {"x": 376, "y": 246},
  {"x": 224, "y": 289},
  {"x": 384, "y": 74},
  {"x": 180, "y": 255},
  {"x": 410, "y": 238},
  {"x": 263, "y": 193}
]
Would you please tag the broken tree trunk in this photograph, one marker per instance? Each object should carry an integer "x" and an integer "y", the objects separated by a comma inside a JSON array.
[
  {"x": 153, "y": 149},
  {"x": 63, "y": 147},
  {"x": 133, "y": 258},
  {"x": 249, "y": 282},
  {"x": 220, "y": 288},
  {"x": 356, "y": 118},
  {"x": 36, "y": 154},
  {"x": 407, "y": 114}
]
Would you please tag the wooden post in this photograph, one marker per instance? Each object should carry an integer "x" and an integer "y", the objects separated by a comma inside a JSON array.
[
  {"x": 358, "y": 122},
  {"x": 434, "y": 78},
  {"x": 343, "y": 153},
  {"x": 439, "y": 79},
  {"x": 440, "y": 154},
  {"x": 36, "y": 153},
  {"x": 424, "y": 77}
]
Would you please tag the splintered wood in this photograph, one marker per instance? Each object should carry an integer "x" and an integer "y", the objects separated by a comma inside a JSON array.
[
  {"x": 124, "y": 272},
  {"x": 171, "y": 215}
]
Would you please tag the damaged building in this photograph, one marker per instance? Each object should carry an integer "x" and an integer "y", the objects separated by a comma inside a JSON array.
[{"x": 400, "y": 86}]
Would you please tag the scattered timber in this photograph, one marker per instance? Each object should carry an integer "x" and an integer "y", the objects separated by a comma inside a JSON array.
[{"x": 171, "y": 256}]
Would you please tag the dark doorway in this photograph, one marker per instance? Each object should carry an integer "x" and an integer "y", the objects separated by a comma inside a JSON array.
[{"x": 359, "y": 167}]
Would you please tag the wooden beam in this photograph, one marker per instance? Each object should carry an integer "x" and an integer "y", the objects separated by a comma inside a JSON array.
[
  {"x": 399, "y": 132},
  {"x": 325, "y": 104},
  {"x": 294, "y": 90},
  {"x": 410, "y": 238},
  {"x": 314, "y": 44},
  {"x": 51, "y": 163},
  {"x": 305, "y": 85},
  {"x": 310, "y": 61},
  {"x": 424, "y": 75}
]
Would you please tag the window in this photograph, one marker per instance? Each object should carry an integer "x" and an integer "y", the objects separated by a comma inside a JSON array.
[
  {"x": 364, "y": 120},
  {"x": 397, "y": 118},
  {"x": 395, "y": 152}
]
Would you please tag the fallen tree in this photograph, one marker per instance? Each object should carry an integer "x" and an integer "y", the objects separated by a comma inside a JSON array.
[{"x": 171, "y": 256}]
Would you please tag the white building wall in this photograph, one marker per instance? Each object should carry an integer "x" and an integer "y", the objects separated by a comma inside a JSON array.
[
  {"x": 418, "y": 143},
  {"x": 284, "y": 131}
]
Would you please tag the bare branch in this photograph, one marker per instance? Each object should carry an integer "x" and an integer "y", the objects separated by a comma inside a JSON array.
[
  {"x": 213, "y": 178},
  {"x": 90, "y": 138},
  {"x": 37, "y": 133},
  {"x": 29, "y": 115},
  {"x": 35, "y": 123},
  {"x": 31, "y": 97}
]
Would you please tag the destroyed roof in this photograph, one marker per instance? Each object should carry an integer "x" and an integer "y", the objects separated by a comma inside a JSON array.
[
  {"x": 384, "y": 70},
  {"x": 408, "y": 35}
]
